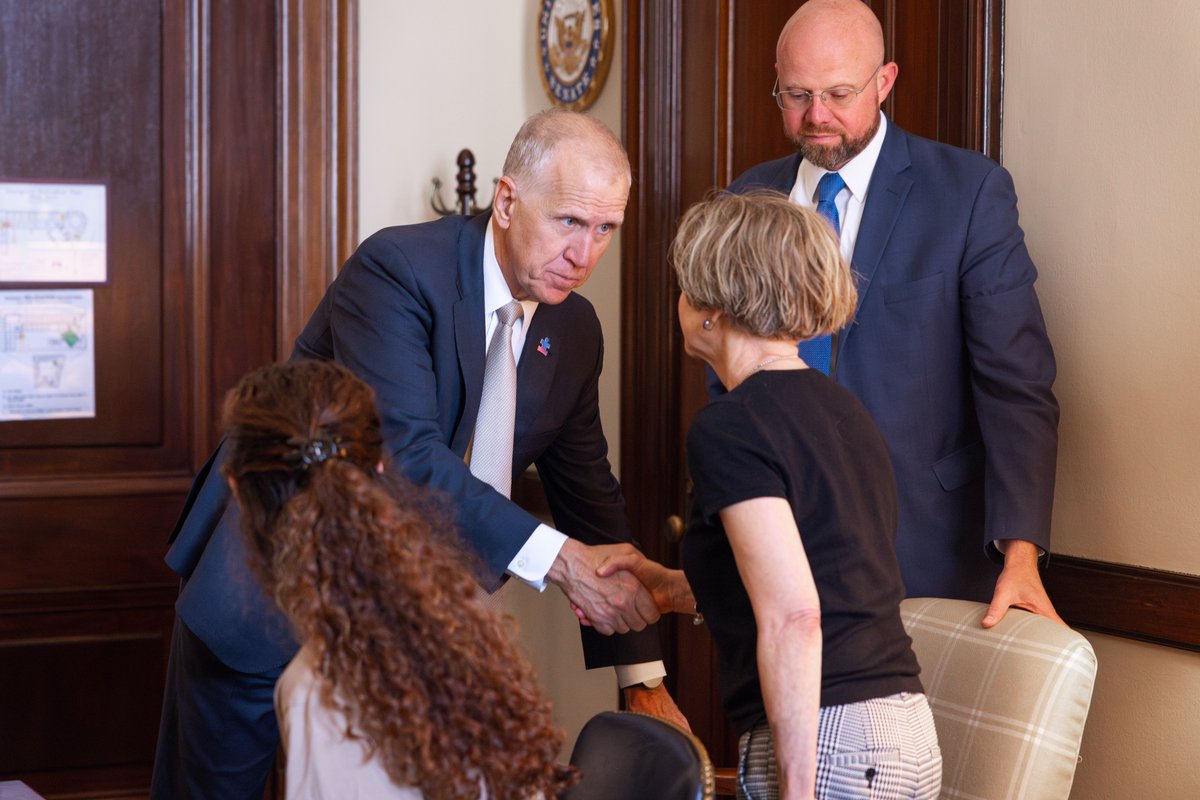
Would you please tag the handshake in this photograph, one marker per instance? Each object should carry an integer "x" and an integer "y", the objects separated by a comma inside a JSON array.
[{"x": 616, "y": 589}]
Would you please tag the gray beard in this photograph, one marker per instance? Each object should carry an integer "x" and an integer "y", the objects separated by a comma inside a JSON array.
[{"x": 835, "y": 157}]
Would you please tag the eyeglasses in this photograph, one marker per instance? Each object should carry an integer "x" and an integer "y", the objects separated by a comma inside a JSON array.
[{"x": 837, "y": 97}]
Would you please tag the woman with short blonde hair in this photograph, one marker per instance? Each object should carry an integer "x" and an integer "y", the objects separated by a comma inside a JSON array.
[
  {"x": 773, "y": 268},
  {"x": 790, "y": 544}
]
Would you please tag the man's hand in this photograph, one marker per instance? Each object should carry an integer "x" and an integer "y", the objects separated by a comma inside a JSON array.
[
  {"x": 613, "y": 604},
  {"x": 1019, "y": 585},
  {"x": 669, "y": 587},
  {"x": 656, "y": 702}
]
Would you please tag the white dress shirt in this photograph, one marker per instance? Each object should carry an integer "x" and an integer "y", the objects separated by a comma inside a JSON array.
[
  {"x": 850, "y": 201},
  {"x": 536, "y": 556}
]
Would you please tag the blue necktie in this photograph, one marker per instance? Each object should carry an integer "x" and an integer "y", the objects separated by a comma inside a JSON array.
[{"x": 817, "y": 352}]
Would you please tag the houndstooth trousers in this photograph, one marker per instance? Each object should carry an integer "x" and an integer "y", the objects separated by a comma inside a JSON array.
[{"x": 880, "y": 749}]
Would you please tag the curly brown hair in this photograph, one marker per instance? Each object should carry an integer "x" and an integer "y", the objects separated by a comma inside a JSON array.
[{"x": 368, "y": 572}]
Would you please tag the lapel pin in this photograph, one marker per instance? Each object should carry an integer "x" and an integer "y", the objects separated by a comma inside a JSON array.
[{"x": 544, "y": 346}]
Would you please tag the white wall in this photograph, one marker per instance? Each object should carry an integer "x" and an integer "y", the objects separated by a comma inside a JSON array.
[
  {"x": 435, "y": 77},
  {"x": 1100, "y": 126}
]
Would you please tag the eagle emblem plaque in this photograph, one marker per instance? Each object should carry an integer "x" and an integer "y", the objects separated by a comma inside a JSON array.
[{"x": 574, "y": 50}]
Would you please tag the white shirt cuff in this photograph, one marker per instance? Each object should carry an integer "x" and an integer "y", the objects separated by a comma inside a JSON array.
[
  {"x": 632, "y": 674},
  {"x": 1001, "y": 546},
  {"x": 536, "y": 556}
]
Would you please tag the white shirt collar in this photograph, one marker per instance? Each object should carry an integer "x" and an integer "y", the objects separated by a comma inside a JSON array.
[
  {"x": 496, "y": 294},
  {"x": 856, "y": 172}
]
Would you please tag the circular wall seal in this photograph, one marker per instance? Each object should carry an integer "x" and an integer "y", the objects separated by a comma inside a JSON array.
[{"x": 574, "y": 50}]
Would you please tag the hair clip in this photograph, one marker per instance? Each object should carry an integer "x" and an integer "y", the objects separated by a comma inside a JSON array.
[{"x": 319, "y": 451}]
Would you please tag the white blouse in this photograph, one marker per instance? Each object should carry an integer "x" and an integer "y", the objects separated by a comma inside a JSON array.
[{"x": 322, "y": 764}]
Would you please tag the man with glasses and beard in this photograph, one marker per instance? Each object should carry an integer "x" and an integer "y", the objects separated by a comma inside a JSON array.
[{"x": 948, "y": 349}]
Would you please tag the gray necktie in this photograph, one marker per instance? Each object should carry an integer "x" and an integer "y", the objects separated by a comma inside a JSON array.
[{"x": 491, "y": 451}]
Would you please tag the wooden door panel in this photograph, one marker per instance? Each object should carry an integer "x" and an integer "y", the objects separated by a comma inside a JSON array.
[
  {"x": 757, "y": 130},
  {"x": 102, "y": 93},
  {"x": 187, "y": 110},
  {"x": 72, "y": 542},
  {"x": 69, "y": 117}
]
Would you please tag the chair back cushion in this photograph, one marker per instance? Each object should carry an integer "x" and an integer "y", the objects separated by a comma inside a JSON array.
[
  {"x": 628, "y": 755},
  {"x": 1009, "y": 702}
]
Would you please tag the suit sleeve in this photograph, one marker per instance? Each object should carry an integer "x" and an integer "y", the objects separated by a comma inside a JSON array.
[
  {"x": 1012, "y": 368},
  {"x": 381, "y": 323},
  {"x": 586, "y": 503}
]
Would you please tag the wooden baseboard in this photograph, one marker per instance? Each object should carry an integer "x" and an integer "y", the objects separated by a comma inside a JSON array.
[{"x": 1135, "y": 602}]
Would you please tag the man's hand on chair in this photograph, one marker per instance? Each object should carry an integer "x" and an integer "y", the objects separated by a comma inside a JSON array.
[{"x": 1019, "y": 585}]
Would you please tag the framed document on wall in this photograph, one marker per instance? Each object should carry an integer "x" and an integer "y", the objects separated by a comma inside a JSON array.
[{"x": 574, "y": 50}]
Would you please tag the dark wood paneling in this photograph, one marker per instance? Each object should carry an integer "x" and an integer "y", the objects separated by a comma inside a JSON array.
[
  {"x": 757, "y": 133},
  {"x": 225, "y": 133},
  {"x": 318, "y": 154},
  {"x": 1134, "y": 602},
  {"x": 99, "y": 673},
  {"x": 75, "y": 542},
  {"x": 68, "y": 117},
  {"x": 82, "y": 671},
  {"x": 950, "y": 58},
  {"x": 241, "y": 210}
]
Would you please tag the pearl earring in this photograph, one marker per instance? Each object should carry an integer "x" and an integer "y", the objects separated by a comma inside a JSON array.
[{"x": 707, "y": 325}]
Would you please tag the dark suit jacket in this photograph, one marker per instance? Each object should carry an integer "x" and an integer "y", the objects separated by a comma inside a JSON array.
[
  {"x": 406, "y": 315},
  {"x": 948, "y": 351}
]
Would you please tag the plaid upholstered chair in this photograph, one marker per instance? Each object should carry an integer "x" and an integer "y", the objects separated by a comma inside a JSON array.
[{"x": 1009, "y": 703}]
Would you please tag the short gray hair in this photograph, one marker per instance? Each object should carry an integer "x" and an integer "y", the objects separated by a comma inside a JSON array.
[
  {"x": 542, "y": 134},
  {"x": 773, "y": 268}
]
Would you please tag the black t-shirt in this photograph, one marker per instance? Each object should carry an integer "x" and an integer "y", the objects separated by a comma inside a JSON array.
[{"x": 798, "y": 435}]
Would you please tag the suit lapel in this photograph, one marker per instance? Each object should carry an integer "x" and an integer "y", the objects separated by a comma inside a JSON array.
[
  {"x": 885, "y": 198},
  {"x": 535, "y": 372},
  {"x": 469, "y": 327},
  {"x": 785, "y": 178}
]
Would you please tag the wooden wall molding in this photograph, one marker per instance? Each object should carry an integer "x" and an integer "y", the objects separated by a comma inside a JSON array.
[
  {"x": 90, "y": 600},
  {"x": 649, "y": 355},
  {"x": 226, "y": 133},
  {"x": 110, "y": 485},
  {"x": 317, "y": 154},
  {"x": 1149, "y": 605},
  {"x": 186, "y": 200}
]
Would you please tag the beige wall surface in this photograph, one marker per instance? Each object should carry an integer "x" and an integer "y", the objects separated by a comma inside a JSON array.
[
  {"x": 1099, "y": 133},
  {"x": 1141, "y": 736},
  {"x": 435, "y": 77}
]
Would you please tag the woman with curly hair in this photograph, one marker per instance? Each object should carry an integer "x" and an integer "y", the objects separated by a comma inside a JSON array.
[{"x": 404, "y": 685}]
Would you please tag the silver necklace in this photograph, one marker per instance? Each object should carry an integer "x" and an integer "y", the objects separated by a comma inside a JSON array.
[{"x": 764, "y": 363}]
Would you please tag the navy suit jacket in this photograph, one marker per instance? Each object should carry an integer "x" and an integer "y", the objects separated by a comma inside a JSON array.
[
  {"x": 948, "y": 351},
  {"x": 406, "y": 315}
]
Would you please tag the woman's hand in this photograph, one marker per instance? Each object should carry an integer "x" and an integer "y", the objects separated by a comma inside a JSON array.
[{"x": 669, "y": 588}]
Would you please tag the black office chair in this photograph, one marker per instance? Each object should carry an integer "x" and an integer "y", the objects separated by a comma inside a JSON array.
[{"x": 624, "y": 755}]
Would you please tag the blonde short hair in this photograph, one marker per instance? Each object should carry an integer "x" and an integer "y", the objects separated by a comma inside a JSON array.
[{"x": 773, "y": 268}]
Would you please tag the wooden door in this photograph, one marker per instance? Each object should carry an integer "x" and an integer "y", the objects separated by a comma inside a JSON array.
[
  {"x": 213, "y": 126},
  {"x": 698, "y": 112}
]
